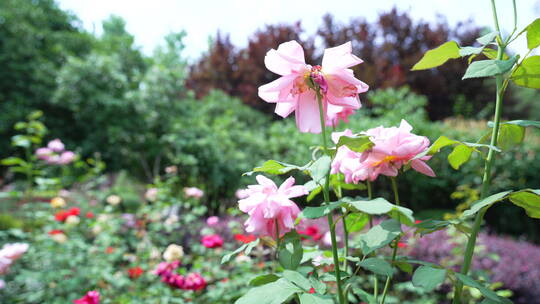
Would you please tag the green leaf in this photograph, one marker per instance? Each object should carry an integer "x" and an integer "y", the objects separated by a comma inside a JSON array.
[
  {"x": 529, "y": 200},
  {"x": 263, "y": 279},
  {"x": 308, "y": 298},
  {"x": 313, "y": 193},
  {"x": 12, "y": 161},
  {"x": 527, "y": 73},
  {"x": 440, "y": 143},
  {"x": 460, "y": 155},
  {"x": 428, "y": 277},
  {"x": 356, "y": 221},
  {"x": 438, "y": 56},
  {"x": 21, "y": 141},
  {"x": 290, "y": 251},
  {"x": 319, "y": 286},
  {"x": 319, "y": 169},
  {"x": 247, "y": 247},
  {"x": 486, "y": 68},
  {"x": 492, "y": 54},
  {"x": 429, "y": 226},
  {"x": 317, "y": 212},
  {"x": 470, "y": 50},
  {"x": 524, "y": 123},
  {"x": 485, "y": 202},
  {"x": 379, "y": 236},
  {"x": 533, "y": 34},
  {"x": 359, "y": 143},
  {"x": 404, "y": 266},
  {"x": 510, "y": 135},
  {"x": 298, "y": 279},
  {"x": 468, "y": 281},
  {"x": 380, "y": 206},
  {"x": 487, "y": 38},
  {"x": 378, "y": 266},
  {"x": 276, "y": 292},
  {"x": 274, "y": 167}
]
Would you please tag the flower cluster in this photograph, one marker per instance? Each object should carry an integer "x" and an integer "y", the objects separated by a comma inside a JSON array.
[
  {"x": 9, "y": 254},
  {"x": 268, "y": 205},
  {"x": 193, "y": 281},
  {"x": 55, "y": 153},
  {"x": 392, "y": 148},
  {"x": 135, "y": 272},
  {"x": 68, "y": 216},
  {"x": 91, "y": 297},
  {"x": 300, "y": 84},
  {"x": 212, "y": 241}
]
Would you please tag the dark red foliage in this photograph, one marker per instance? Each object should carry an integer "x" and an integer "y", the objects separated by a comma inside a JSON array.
[{"x": 389, "y": 47}]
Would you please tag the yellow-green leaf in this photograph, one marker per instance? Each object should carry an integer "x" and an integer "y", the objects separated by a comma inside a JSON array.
[{"x": 438, "y": 56}]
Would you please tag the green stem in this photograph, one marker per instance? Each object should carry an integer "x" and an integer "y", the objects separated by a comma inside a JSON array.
[
  {"x": 389, "y": 278},
  {"x": 326, "y": 194},
  {"x": 395, "y": 189},
  {"x": 277, "y": 238},
  {"x": 394, "y": 252},
  {"x": 486, "y": 180},
  {"x": 370, "y": 196},
  {"x": 346, "y": 240},
  {"x": 375, "y": 288}
]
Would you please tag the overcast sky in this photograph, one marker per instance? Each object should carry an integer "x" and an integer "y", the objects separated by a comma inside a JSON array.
[{"x": 150, "y": 21}]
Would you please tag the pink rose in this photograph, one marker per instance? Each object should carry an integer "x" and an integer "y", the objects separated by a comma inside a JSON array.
[
  {"x": 268, "y": 204},
  {"x": 212, "y": 241},
  {"x": 56, "y": 145},
  {"x": 91, "y": 297},
  {"x": 295, "y": 91}
]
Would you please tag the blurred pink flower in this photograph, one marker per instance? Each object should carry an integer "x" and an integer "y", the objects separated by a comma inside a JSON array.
[
  {"x": 56, "y": 145},
  {"x": 211, "y": 221},
  {"x": 91, "y": 297},
  {"x": 193, "y": 192},
  {"x": 212, "y": 241},
  {"x": 44, "y": 153},
  {"x": 242, "y": 193},
  {"x": 294, "y": 90},
  {"x": 336, "y": 114},
  {"x": 9, "y": 254},
  {"x": 267, "y": 204},
  {"x": 194, "y": 281},
  {"x": 66, "y": 157},
  {"x": 392, "y": 148},
  {"x": 2, "y": 284}
]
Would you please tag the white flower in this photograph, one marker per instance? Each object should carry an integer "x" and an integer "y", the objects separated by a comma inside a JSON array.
[
  {"x": 59, "y": 237},
  {"x": 73, "y": 220},
  {"x": 173, "y": 253},
  {"x": 113, "y": 199}
]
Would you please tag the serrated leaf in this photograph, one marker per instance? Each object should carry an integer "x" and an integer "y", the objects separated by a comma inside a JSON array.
[
  {"x": 510, "y": 135},
  {"x": 320, "y": 168},
  {"x": 527, "y": 73},
  {"x": 528, "y": 199},
  {"x": 470, "y": 50},
  {"x": 460, "y": 155},
  {"x": 358, "y": 143},
  {"x": 487, "y": 68},
  {"x": 377, "y": 266},
  {"x": 274, "y": 167},
  {"x": 290, "y": 251},
  {"x": 468, "y": 281},
  {"x": 263, "y": 279},
  {"x": 356, "y": 221},
  {"x": 320, "y": 211},
  {"x": 277, "y": 292},
  {"x": 379, "y": 236},
  {"x": 438, "y": 56},
  {"x": 533, "y": 34},
  {"x": 428, "y": 277},
  {"x": 485, "y": 202},
  {"x": 487, "y": 38},
  {"x": 380, "y": 206},
  {"x": 297, "y": 278}
]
